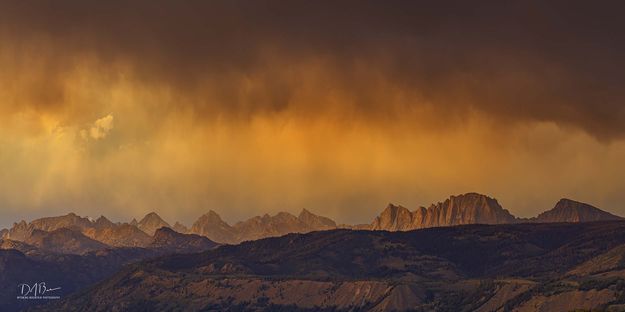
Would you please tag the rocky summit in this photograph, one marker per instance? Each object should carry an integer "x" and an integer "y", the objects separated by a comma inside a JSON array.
[
  {"x": 470, "y": 208},
  {"x": 212, "y": 226},
  {"x": 151, "y": 222},
  {"x": 567, "y": 210}
]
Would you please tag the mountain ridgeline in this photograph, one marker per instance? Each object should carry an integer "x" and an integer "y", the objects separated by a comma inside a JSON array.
[
  {"x": 473, "y": 208},
  {"x": 212, "y": 226},
  {"x": 470, "y": 208}
]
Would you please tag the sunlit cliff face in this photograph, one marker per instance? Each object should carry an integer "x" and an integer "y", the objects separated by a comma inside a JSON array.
[{"x": 246, "y": 108}]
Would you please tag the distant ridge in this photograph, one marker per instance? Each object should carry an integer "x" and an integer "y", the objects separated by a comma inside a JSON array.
[
  {"x": 469, "y": 208},
  {"x": 567, "y": 210},
  {"x": 212, "y": 226},
  {"x": 175, "y": 242},
  {"x": 151, "y": 222},
  {"x": 64, "y": 240}
]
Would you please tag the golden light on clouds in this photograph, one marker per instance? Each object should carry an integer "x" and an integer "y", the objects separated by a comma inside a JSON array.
[
  {"x": 99, "y": 129},
  {"x": 216, "y": 114}
]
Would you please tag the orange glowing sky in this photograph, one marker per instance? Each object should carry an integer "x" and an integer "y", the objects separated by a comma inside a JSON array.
[{"x": 120, "y": 108}]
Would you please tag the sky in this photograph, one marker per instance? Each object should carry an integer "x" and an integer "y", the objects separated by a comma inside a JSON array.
[{"x": 119, "y": 108}]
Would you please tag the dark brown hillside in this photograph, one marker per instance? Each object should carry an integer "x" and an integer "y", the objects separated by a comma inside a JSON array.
[{"x": 437, "y": 269}]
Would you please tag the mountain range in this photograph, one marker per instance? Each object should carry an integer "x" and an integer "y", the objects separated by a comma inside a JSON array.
[
  {"x": 212, "y": 226},
  {"x": 473, "y": 208},
  {"x": 465, "y": 251},
  {"x": 470, "y": 208}
]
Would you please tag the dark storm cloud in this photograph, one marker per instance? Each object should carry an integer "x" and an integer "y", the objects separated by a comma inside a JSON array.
[{"x": 517, "y": 61}]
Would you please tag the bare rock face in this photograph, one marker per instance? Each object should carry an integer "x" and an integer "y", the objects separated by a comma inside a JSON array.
[
  {"x": 103, "y": 223},
  {"x": 180, "y": 228},
  {"x": 22, "y": 231},
  {"x": 71, "y": 220},
  {"x": 101, "y": 230},
  {"x": 394, "y": 218},
  {"x": 473, "y": 208},
  {"x": 281, "y": 224},
  {"x": 118, "y": 235},
  {"x": 315, "y": 222},
  {"x": 151, "y": 222},
  {"x": 65, "y": 241},
  {"x": 168, "y": 239},
  {"x": 470, "y": 208},
  {"x": 212, "y": 226},
  {"x": 268, "y": 226},
  {"x": 123, "y": 235},
  {"x": 17, "y": 245},
  {"x": 567, "y": 210}
]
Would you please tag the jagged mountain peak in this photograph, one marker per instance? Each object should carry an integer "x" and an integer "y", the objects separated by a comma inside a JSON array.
[
  {"x": 70, "y": 220},
  {"x": 283, "y": 214},
  {"x": 315, "y": 222},
  {"x": 466, "y": 208},
  {"x": 212, "y": 226},
  {"x": 151, "y": 215},
  {"x": 211, "y": 214},
  {"x": 393, "y": 208},
  {"x": 23, "y": 222},
  {"x": 474, "y": 199},
  {"x": 305, "y": 212},
  {"x": 474, "y": 208},
  {"x": 393, "y": 218},
  {"x": 102, "y": 221},
  {"x": 180, "y": 228},
  {"x": 151, "y": 222}
]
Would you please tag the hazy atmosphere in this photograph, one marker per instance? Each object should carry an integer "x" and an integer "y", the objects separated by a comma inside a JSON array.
[{"x": 118, "y": 109}]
